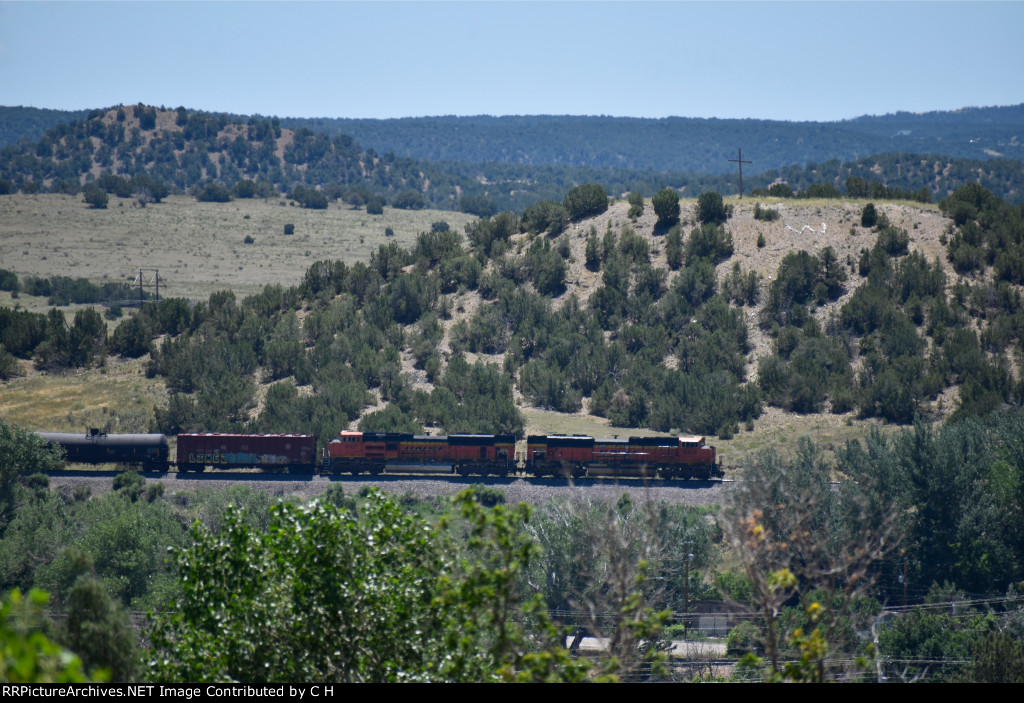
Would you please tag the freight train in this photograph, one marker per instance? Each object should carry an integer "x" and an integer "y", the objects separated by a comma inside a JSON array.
[{"x": 568, "y": 456}]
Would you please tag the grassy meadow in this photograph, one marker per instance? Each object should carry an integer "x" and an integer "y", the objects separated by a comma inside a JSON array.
[
  {"x": 198, "y": 248},
  {"x": 116, "y": 396}
]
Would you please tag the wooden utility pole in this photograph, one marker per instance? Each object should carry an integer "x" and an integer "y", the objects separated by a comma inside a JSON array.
[
  {"x": 739, "y": 160},
  {"x": 156, "y": 281}
]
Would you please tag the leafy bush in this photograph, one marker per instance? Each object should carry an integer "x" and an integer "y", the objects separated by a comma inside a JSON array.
[
  {"x": 893, "y": 240},
  {"x": 742, "y": 289},
  {"x": 479, "y": 205},
  {"x": 545, "y": 216},
  {"x": 213, "y": 193},
  {"x": 489, "y": 496},
  {"x": 780, "y": 190},
  {"x": 309, "y": 198},
  {"x": 547, "y": 268},
  {"x": 490, "y": 235},
  {"x": 585, "y": 201},
  {"x": 709, "y": 242},
  {"x": 592, "y": 253},
  {"x": 765, "y": 214},
  {"x": 8, "y": 280},
  {"x": 820, "y": 190},
  {"x": 868, "y": 216},
  {"x": 95, "y": 196},
  {"x": 244, "y": 189},
  {"x": 636, "y": 205},
  {"x": 666, "y": 206},
  {"x": 711, "y": 208},
  {"x": 674, "y": 248},
  {"x": 409, "y": 200}
]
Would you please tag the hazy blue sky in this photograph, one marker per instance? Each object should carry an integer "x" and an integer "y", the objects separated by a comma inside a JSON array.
[{"x": 793, "y": 60}]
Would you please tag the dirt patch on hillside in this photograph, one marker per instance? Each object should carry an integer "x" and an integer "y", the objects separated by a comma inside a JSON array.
[{"x": 807, "y": 225}]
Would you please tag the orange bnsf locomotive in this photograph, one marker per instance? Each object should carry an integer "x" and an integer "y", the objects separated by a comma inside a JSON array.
[
  {"x": 648, "y": 457},
  {"x": 462, "y": 454},
  {"x": 568, "y": 456}
]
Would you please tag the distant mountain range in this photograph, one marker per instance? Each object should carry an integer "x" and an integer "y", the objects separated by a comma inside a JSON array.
[
  {"x": 510, "y": 162},
  {"x": 695, "y": 145}
]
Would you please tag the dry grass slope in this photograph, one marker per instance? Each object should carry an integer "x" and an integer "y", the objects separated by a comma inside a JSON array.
[{"x": 198, "y": 247}]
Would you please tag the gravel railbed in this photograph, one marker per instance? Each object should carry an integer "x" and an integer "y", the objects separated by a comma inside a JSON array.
[{"x": 534, "y": 491}]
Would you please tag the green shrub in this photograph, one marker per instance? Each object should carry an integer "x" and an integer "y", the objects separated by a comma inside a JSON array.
[
  {"x": 213, "y": 193},
  {"x": 489, "y": 496},
  {"x": 545, "y": 216},
  {"x": 95, "y": 196},
  {"x": 674, "y": 248},
  {"x": 780, "y": 190},
  {"x": 636, "y": 205},
  {"x": 765, "y": 214},
  {"x": 666, "y": 206},
  {"x": 868, "y": 216},
  {"x": 743, "y": 638},
  {"x": 711, "y": 208},
  {"x": 585, "y": 201}
]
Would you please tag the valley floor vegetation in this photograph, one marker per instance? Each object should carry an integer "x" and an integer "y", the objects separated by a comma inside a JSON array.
[{"x": 908, "y": 570}]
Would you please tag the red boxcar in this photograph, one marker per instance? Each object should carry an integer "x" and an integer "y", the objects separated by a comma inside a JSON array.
[{"x": 293, "y": 452}]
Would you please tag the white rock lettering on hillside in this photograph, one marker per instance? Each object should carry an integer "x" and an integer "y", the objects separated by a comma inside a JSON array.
[{"x": 800, "y": 231}]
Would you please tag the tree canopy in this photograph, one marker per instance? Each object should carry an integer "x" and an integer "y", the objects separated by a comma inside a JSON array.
[
  {"x": 358, "y": 594},
  {"x": 666, "y": 206},
  {"x": 585, "y": 201}
]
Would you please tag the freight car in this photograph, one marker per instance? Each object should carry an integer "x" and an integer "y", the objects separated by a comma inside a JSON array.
[
  {"x": 291, "y": 452},
  {"x": 96, "y": 447}
]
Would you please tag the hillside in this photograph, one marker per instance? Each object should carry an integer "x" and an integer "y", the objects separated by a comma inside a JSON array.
[{"x": 199, "y": 248}]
